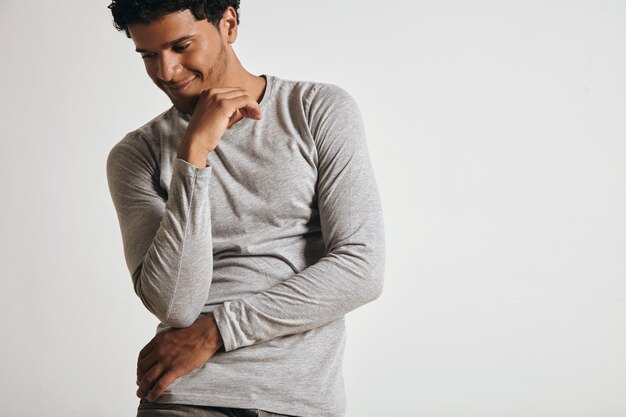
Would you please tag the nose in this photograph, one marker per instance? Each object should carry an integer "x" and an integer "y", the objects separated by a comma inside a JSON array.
[{"x": 169, "y": 67}]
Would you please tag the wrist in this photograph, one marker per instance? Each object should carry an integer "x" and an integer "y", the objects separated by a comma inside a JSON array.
[
  {"x": 193, "y": 153},
  {"x": 214, "y": 339}
]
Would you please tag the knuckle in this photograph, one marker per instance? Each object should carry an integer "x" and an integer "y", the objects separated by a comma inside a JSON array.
[
  {"x": 169, "y": 376},
  {"x": 159, "y": 386}
]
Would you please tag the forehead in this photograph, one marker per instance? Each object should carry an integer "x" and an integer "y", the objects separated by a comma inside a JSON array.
[{"x": 167, "y": 29}]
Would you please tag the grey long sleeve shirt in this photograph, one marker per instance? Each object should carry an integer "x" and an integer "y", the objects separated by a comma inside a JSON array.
[{"x": 280, "y": 235}]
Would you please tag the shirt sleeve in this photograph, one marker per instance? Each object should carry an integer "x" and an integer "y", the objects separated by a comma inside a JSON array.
[
  {"x": 166, "y": 236},
  {"x": 351, "y": 273}
]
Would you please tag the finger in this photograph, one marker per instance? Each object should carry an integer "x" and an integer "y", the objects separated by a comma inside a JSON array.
[
  {"x": 231, "y": 94},
  {"x": 244, "y": 112},
  {"x": 146, "y": 349},
  {"x": 219, "y": 90},
  {"x": 145, "y": 364},
  {"x": 222, "y": 93},
  {"x": 233, "y": 98},
  {"x": 149, "y": 379},
  {"x": 245, "y": 101},
  {"x": 248, "y": 113},
  {"x": 231, "y": 119},
  {"x": 161, "y": 385}
]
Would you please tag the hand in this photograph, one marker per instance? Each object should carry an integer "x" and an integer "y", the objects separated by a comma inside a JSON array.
[
  {"x": 216, "y": 110},
  {"x": 174, "y": 353}
]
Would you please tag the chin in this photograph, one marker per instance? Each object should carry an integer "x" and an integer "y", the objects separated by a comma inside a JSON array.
[{"x": 186, "y": 105}]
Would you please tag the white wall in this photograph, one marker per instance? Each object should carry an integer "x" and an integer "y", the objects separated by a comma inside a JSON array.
[{"x": 498, "y": 136}]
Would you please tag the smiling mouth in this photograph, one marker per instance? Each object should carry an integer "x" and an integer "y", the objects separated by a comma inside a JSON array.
[{"x": 179, "y": 87}]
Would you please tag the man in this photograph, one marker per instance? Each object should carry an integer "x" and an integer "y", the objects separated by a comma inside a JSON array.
[{"x": 250, "y": 220}]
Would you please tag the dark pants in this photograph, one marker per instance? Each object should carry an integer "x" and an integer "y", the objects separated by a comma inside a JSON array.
[{"x": 147, "y": 409}]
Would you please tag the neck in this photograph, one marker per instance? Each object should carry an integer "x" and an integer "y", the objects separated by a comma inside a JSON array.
[{"x": 239, "y": 77}]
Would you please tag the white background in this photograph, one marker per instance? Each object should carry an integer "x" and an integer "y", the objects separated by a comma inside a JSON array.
[{"x": 498, "y": 136}]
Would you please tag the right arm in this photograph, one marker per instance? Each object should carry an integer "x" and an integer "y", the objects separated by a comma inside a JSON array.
[{"x": 167, "y": 238}]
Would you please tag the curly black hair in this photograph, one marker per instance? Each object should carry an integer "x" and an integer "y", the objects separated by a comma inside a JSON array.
[{"x": 128, "y": 12}]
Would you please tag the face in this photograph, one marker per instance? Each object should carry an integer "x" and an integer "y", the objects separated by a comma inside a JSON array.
[{"x": 183, "y": 56}]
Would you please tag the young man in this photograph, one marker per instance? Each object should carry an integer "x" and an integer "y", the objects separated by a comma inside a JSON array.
[{"x": 250, "y": 220}]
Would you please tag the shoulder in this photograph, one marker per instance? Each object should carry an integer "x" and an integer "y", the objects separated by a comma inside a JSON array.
[
  {"x": 314, "y": 94},
  {"x": 324, "y": 106},
  {"x": 142, "y": 145}
]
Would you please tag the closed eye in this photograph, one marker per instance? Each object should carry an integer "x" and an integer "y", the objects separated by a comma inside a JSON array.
[{"x": 180, "y": 48}]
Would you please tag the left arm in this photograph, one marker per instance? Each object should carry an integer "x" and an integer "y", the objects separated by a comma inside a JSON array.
[{"x": 351, "y": 273}]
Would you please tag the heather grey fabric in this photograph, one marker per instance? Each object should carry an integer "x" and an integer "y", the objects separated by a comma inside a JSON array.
[
  {"x": 280, "y": 235},
  {"x": 180, "y": 410}
]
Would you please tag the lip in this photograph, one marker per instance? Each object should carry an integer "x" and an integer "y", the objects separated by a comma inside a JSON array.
[{"x": 179, "y": 87}]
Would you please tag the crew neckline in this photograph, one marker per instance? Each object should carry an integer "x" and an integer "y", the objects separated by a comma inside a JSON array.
[{"x": 267, "y": 91}]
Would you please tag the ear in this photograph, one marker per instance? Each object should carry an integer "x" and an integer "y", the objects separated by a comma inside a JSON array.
[{"x": 228, "y": 25}]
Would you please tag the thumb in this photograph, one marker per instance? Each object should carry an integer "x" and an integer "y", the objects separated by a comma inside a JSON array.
[{"x": 233, "y": 117}]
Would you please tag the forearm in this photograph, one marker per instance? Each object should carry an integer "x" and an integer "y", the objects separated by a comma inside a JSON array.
[
  {"x": 191, "y": 150},
  {"x": 350, "y": 275},
  {"x": 166, "y": 233},
  {"x": 324, "y": 292},
  {"x": 174, "y": 277}
]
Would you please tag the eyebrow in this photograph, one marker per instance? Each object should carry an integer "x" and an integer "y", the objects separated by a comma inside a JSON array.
[{"x": 168, "y": 44}]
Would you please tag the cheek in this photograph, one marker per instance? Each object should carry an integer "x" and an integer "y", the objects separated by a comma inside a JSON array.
[
  {"x": 150, "y": 68},
  {"x": 191, "y": 64},
  {"x": 198, "y": 62}
]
